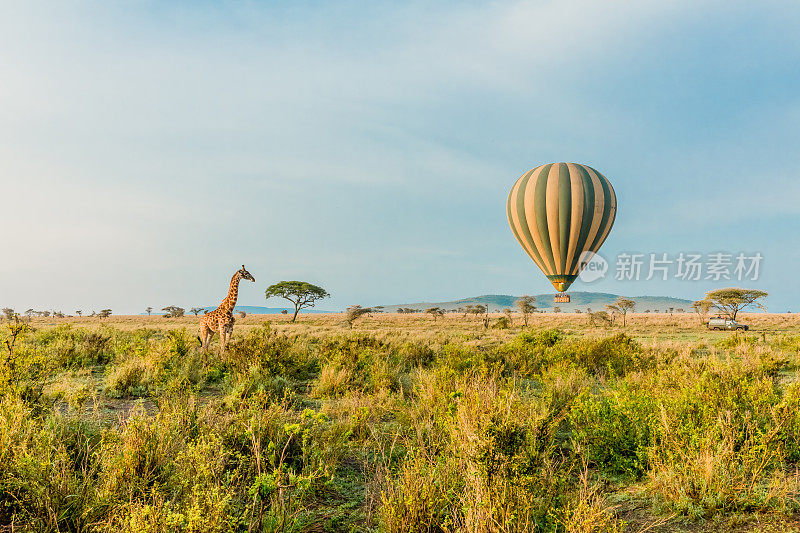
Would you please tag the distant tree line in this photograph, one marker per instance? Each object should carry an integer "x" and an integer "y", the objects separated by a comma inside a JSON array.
[{"x": 9, "y": 313}]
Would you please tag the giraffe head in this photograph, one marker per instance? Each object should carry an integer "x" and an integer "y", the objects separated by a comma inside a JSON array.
[{"x": 244, "y": 274}]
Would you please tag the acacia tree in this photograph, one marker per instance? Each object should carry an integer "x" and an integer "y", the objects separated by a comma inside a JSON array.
[
  {"x": 701, "y": 307},
  {"x": 302, "y": 294},
  {"x": 9, "y": 313},
  {"x": 622, "y": 306},
  {"x": 354, "y": 312},
  {"x": 149, "y": 310},
  {"x": 195, "y": 310},
  {"x": 526, "y": 306},
  {"x": 173, "y": 311},
  {"x": 600, "y": 318},
  {"x": 479, "y": 309},
  {"x": 732, "y": 300},
  {"x": 435, "y": 312}
]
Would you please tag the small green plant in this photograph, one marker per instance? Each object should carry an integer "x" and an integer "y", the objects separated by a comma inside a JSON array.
[
  {"x": 10, "y": 375},
  {"x": 502, "y": 323}
]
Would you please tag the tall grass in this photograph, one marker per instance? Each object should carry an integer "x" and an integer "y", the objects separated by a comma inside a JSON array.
[{"x": 414, "y": 427}]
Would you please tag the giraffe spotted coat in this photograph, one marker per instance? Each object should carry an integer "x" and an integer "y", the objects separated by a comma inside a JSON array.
[{"x": 221, "y": 320}]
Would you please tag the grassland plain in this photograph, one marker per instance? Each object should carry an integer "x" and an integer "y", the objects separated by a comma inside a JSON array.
[{"x": 402, "y": 423}]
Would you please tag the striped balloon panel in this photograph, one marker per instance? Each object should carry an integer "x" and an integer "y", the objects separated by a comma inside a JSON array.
[{"x": 557, "y": 212}]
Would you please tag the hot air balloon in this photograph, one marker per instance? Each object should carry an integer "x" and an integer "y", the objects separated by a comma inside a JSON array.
[{"x": 559, "y": 211}]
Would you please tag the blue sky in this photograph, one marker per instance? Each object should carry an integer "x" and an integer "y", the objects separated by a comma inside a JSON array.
[{"x": 149, "y": 148}]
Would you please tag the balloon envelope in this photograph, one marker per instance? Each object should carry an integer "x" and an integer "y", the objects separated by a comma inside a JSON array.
[{"x": 559, "y": 211}]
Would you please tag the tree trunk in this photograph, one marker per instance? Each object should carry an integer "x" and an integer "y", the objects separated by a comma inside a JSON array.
[{"x": 296, "y": 310}]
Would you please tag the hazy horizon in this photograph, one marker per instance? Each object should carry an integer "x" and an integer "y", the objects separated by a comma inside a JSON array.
[{"x": 148, "y": 150}]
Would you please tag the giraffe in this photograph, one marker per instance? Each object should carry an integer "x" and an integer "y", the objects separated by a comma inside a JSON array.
[{"x": 221, "y": 320}]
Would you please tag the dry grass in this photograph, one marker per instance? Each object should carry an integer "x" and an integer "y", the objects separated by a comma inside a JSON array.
[
  {"x": 404, "y": 424},
  {"x": 643, "y": 326}
]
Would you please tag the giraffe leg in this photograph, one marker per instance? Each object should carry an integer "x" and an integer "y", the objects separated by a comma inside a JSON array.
[
  {"x": 221, "y": 338},
  {"x": 228, "y": 333},
  {"x": 229, "y": 330},
  {"x": 205, "y": 337}
]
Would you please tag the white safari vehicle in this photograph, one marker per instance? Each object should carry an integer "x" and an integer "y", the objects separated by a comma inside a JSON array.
[{"x": 719, "y": 323}]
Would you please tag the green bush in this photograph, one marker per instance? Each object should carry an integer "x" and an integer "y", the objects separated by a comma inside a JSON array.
[
  {"x": 614, "y": 429},
  {"x": 530, "y": 352},
  {"x": 47, "y": 469},
  {"x": 409, "y": 505},
  {"x": 460, "y": 431},
  {"x": 274, "y": 353},
  {"x": 788, "y": 423},
  {"x": 612, "y": 356},
  {"x": 417, "y": 354}
]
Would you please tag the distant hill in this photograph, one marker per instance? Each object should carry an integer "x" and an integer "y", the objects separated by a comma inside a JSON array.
[{"x": 597, "y": 301}]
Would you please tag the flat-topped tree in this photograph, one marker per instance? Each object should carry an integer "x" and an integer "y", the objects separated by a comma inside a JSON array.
[
  {"x": 733, "y": 299},
  {"x": 301, "y": 293},
  {"x": 173, "y": 311},
  {"x": 622, "y": 306},
  {"x": 435, "y": 312},
  {"x": 478, "y": 309}
]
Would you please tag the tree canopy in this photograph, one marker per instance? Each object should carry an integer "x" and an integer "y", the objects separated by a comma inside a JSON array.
[
  {"x": 733, "y": 299},
  {"x": 600, "y": 318},
  {"x": 435, "y": 312},
  {"x": 526, "y": 306},
  {"x": 301, "y": 293},
  {"x": 622, "y": 306},
  {"x": 354, "y": 312},
  {"x": 173, "y": 311}
]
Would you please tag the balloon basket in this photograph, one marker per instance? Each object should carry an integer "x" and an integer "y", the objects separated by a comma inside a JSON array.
[{"x": 561, "y": 298}]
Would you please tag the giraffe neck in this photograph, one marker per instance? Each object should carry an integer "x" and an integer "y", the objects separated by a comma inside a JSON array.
[{"x": 229, "y": 302}]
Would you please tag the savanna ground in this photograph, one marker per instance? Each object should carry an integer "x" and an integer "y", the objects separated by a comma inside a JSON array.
[{"x": 403, "y": 423}]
